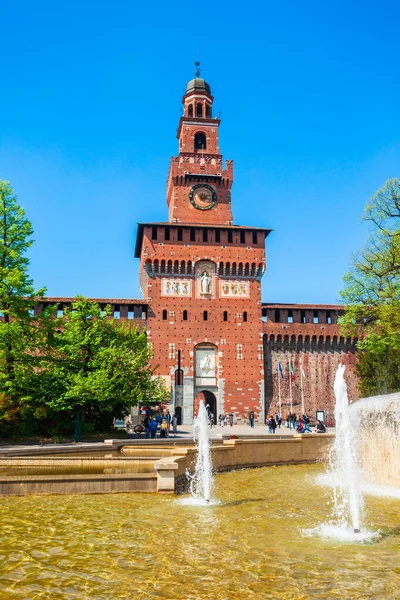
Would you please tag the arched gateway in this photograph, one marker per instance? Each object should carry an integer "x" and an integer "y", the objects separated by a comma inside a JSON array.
[{"x": 210, "y": 402}]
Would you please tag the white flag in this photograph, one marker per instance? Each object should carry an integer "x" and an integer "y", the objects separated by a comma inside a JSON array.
[{"x": 301, "y": 369}]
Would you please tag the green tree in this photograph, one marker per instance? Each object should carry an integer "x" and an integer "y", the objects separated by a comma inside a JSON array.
[
  {"x": 17, "y": 300},
  {"x": 95, "y": 365},
  {"x": 372, "y": 294}
]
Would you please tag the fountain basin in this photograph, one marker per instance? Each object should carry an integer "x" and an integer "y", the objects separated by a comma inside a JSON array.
[{"x": 166, "y": 465}]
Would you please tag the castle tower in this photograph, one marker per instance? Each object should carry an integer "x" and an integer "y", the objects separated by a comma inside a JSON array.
[
  {"x": 201, "y": 276},
  {"x": 199, "y": 188}
]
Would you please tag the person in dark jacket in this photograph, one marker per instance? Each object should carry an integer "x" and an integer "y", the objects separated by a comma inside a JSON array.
[
  {"x": 271, "y": 424},
  {"x": 146, "y": 423},
  {"x": 320, "y": 427}
]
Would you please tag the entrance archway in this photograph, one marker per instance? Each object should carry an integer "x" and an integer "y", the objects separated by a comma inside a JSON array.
[{"x": 210, "y": 403}]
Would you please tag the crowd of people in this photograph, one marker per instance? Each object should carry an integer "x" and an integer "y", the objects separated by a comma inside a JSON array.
[
  {"x": 298, "y": 424},
  {"x": 162, "y": 422}
]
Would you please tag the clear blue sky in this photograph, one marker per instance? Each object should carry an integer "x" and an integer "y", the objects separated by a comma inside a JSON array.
[{"x": 309, "y": 94}]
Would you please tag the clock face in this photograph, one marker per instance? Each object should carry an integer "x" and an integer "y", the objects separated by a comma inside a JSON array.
[{"x": 203, "y": 196}]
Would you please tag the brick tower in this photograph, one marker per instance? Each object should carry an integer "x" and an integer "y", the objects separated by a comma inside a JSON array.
[{"x": 201, "y": 276}]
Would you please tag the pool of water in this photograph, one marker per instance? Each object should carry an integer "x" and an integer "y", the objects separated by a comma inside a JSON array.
[{"x": 249, "y": 546}]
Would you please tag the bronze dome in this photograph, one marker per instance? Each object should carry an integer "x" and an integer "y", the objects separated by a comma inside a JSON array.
[{"x": 198, "y": 84}]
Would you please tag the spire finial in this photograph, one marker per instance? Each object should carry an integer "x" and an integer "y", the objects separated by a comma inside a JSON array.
[{"x": 197, "y": 64}]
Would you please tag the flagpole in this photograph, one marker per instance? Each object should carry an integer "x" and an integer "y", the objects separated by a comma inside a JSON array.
[
  {"x": 302, "y": 391},
  {"x": 290, "y": 387},
  {"x": 279, "y": 391}
]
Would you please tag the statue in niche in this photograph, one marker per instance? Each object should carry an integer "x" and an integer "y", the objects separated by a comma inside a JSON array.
[{"x": 205, "y": 283}]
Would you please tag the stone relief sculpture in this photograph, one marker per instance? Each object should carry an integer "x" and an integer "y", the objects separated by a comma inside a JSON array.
[{"x": 205, "y": 364}]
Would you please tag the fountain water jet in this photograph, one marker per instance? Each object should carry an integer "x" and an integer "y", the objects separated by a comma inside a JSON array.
[
  {"x": 376, "y": 421},
  {"x": 201, "y": 481},
  {"x": 343, "y": 460},
  {"x": 365, "y": 458}
]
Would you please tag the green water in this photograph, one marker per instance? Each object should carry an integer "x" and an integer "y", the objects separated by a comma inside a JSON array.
[{"x": 250, "y": 546}]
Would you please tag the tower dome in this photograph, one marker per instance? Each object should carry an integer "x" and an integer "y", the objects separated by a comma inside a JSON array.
[{"x": 198, "y": 84}]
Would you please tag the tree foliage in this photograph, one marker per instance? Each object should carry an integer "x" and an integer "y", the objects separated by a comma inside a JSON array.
[
  {"x": 17, "y": 300},
  {"x": 372, "y": 293},
  {"x": 94, "y": 362},
  {"x": 49, "y": 366}
]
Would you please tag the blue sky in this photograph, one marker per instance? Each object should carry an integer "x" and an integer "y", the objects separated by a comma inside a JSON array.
[{"x": 309, "y": 96}]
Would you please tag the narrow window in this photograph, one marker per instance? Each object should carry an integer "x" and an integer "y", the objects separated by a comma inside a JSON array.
[
  {"x": 217, "y": 236},
  {"x": 205, "y": 315},
  {"x": 185, "y": 315},
  {"x": 190, "y": 110},
  {"x": 290, "y": 316},
  {"x": 117, "y": 314},
  {"x": 315, "y": 318},
  {"x": 242, "y": 237},
  {"x": 192, "y": 235},
  {"x": 303, "y": 316},
  {"x": 245, "y": 316},
  {"x": 199, "y": 109},
  {"x": 205, "y": 235},
  {"x": 277, "y": 315},
  {"x": 208, "y": 110},
  {"x": 154, "y": 232},
  {"x": 255, "y": 237},
  {"x": 180, "y": 234},
  {"x": 225, "y": 315},
  {"x": 230, "y": 236},
  {"x": 167, "y": 233},
  {"x": 131, "y": 314},
  {"x": 165, "y": 314},
  {"x": 328, "y": 317}
]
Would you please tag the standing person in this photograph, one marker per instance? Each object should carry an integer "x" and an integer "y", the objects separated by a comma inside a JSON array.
[
  {"x": 146, "y": 423},
  {"x": 306, "y": 423},
  {"x": 174, "y": 422},
  {"x": 251, "y": 419},
  {"x": 168, "y": 415},
  {"x": 211, "y": 419},
  {"x": 153, "y": 428},
  {"x": 231, "y": 419},
  {"x": 271, "y": 424},
  {"x": 278, "y": 420},
  {"x": 222, "y": 420},
  {"x": 294, "y": 420}
]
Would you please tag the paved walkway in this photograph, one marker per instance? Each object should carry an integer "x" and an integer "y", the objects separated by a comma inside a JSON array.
[{"x": 184, "y": 432}]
